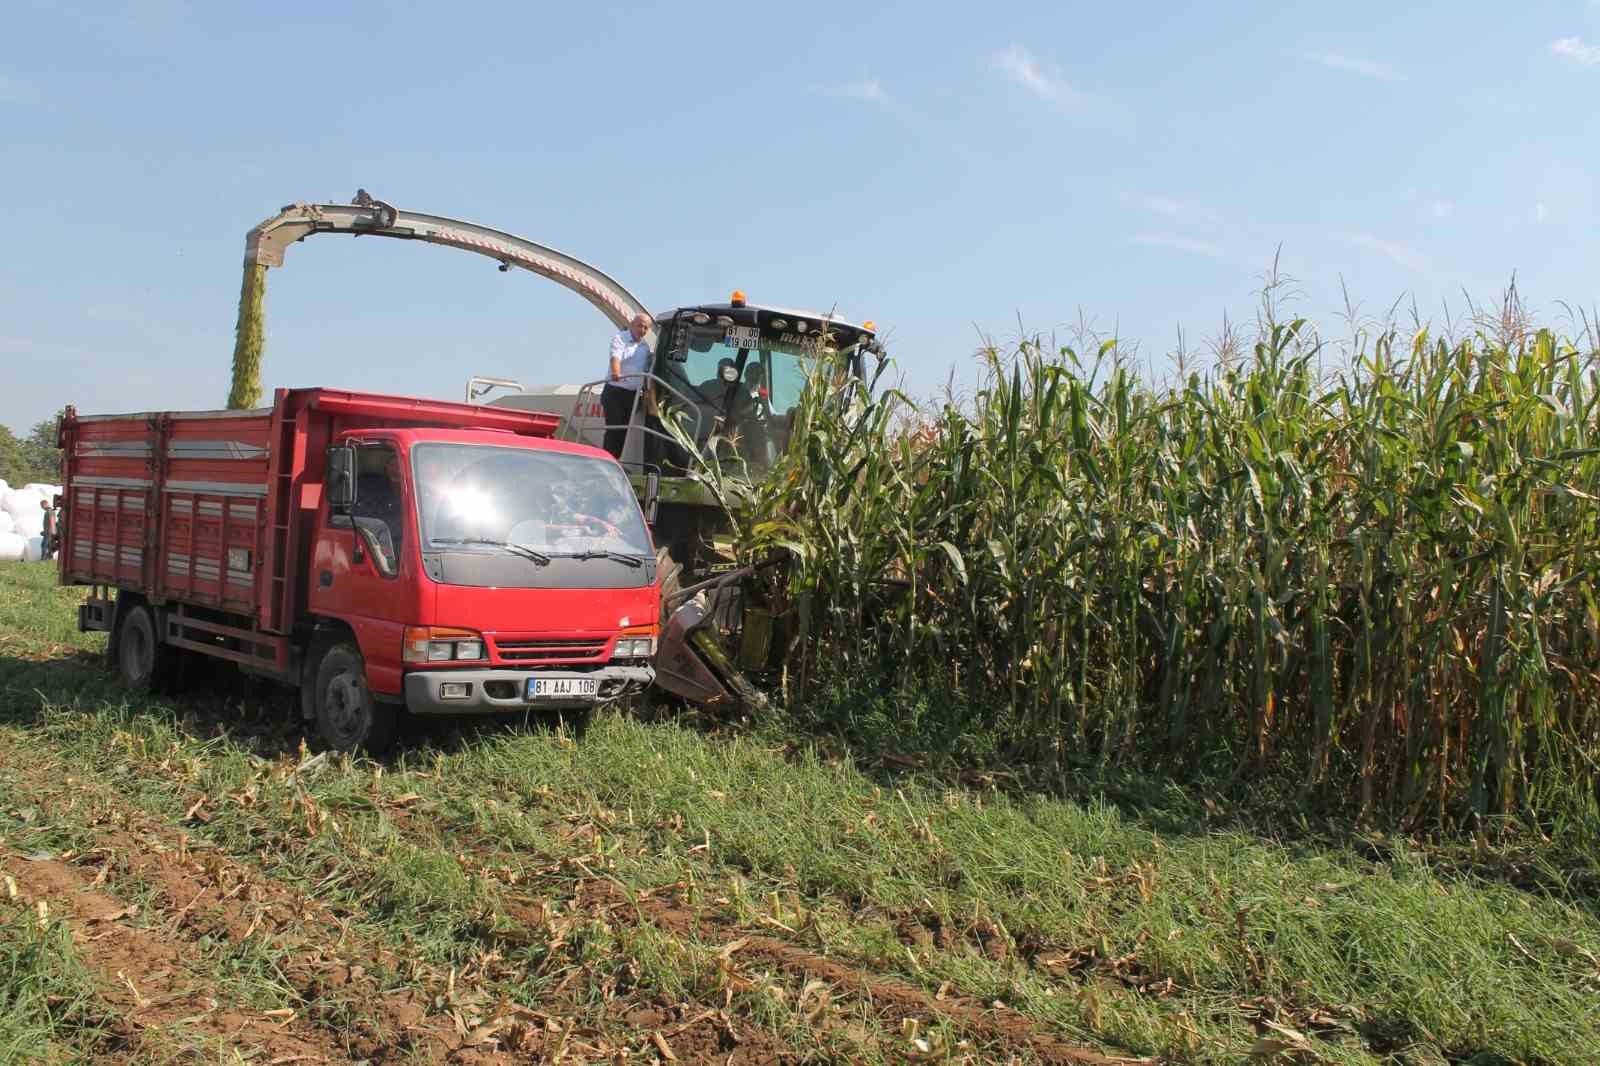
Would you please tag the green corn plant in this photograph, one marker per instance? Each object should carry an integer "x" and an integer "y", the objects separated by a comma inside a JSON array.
[{"x": 1376, "y": 582}]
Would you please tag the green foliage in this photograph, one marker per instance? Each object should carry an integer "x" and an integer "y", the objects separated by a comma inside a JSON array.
[
  {"x": 31, "y": 458},
  {"x": 47, "y": 1000},
  {"x": 1377, "y": 582},
  {"x": 11, "y": 462}
]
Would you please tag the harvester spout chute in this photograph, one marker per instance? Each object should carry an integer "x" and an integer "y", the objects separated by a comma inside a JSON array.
[{"x": 266, "y": 243}]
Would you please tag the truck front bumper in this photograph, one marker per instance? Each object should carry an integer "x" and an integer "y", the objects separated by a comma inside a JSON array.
[{"x": 503, "y": 691}]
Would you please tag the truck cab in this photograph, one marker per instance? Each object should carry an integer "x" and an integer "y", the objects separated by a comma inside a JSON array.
[{"x": 484, "y": 572}]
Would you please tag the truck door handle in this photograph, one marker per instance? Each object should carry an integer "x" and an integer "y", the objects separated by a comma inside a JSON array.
[{"x": 325, "y": 578}]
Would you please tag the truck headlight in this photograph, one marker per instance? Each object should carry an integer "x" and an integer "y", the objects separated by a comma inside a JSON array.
[
  {"x": 635, "y": 648},
  {"x": 435, "y": 644}
]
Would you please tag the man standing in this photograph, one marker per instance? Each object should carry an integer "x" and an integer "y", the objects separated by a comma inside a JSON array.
[
  {"x": 630, "y": 360},
  {"x": 47, "y": 536}
]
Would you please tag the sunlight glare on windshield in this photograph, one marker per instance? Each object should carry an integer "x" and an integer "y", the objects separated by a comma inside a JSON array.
[{"x": 470, "y": 502}]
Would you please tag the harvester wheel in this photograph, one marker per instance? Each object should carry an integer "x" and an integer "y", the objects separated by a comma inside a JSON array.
[{"x": 348, "y": 717}]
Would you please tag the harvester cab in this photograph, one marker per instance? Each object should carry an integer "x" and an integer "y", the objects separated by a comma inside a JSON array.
[{"x": 738, "y": 370}]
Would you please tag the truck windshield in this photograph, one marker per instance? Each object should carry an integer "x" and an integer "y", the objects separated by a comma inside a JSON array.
[{"x": 484, "y": 498}]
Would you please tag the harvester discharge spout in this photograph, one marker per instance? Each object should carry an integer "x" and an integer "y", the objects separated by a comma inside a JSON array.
[{"x": 366, "y": 215}]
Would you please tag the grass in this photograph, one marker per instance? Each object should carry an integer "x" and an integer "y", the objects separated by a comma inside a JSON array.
[
  {"x": 1144, "y": 928},
  {"x": 49, "y": 1010}
]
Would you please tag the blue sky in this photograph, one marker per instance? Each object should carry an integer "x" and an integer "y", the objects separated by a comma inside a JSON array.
[{"x": 942, "y": 169}]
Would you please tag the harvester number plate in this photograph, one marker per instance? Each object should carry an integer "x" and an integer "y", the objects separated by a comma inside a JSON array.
[
  {"x": 546, "y": 688},
  {"x": 743, "y": 337}
]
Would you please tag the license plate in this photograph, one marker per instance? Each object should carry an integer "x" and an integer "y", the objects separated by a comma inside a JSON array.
[
  {"x": 555, "y": 688},
  {"x": 743, "y": 337}
]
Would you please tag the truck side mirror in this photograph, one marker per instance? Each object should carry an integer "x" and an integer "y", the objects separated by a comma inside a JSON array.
[
  {"x": 341, "y": 479},
  {"x": 652, "y": 495}
]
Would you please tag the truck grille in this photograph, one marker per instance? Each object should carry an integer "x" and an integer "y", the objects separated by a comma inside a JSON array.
[{"x": 549, "y": 651}]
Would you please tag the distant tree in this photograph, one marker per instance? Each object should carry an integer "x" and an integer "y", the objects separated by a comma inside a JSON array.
[
  {"x": 44, "y": 458},
  {"x": 11, "y": 462},
  {"x": 31, "y": 458}
]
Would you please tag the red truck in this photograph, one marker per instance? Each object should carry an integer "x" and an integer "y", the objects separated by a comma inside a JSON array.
[{"x": 375, "y": 552}]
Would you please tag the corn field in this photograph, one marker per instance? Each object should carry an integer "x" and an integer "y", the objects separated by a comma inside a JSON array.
[{"x": 1377, "y": 581}]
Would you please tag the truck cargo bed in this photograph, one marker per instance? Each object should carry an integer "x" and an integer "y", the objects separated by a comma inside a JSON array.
[
  {"x": 212, "y": 509},
  {"x": 169, "y": 504}
]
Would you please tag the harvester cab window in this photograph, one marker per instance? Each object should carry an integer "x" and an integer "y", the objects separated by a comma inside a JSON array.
[{"x": 746, "y": 379}]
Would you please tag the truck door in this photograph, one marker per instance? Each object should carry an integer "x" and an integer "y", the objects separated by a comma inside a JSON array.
[{"x": 362, "y": 574}]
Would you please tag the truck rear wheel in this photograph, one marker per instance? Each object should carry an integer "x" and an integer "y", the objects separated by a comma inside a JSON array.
[
  {"x": 143, "y": 662},
  {"x": 348, "y": 717}
]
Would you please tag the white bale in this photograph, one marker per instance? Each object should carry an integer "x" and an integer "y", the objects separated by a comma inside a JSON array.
[
  {"x": 33, "y": 550},
  {"x": 15, "y": 501},
  {"x": 27, "y": 516},
  {"x": 4, "y": 488},
  {"x": 42, "y": 490},
  {"x": 11, "y": 547},
  {"x": 7, "y": 523}
]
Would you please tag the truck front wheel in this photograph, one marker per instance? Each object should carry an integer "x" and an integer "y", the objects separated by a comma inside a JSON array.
[{"x": 347, "y": 715}]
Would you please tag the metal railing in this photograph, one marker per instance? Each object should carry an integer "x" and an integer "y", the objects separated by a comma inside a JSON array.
[
  {"x": 482, "y": 386},
  {"x": 590, "y": 392}
]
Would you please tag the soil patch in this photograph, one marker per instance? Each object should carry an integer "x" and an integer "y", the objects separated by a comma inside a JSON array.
[{"x": 147, "y": 976}]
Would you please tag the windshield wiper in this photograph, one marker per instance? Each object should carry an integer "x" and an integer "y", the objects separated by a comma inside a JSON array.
[
  {"x": 515, "y": 549},
  {"x": 634, "y": 561}
]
